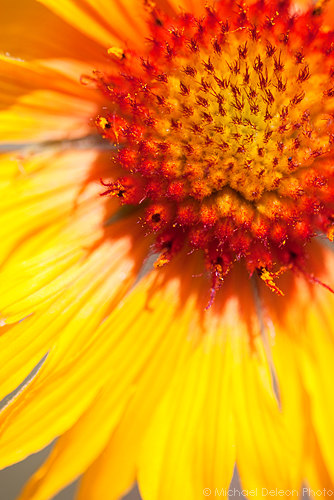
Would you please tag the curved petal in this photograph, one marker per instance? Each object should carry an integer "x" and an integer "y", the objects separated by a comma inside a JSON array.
[
  {"x": 50, "y": 216},
  {"x": 41, "y": 103},
  {"x": 115, "y": 470},
  {"x": 104, "y": 21},
  {"x": 67, "y": 383},
  {"x": 77, "y": 448},
  {"x": 60, "y": 258},
  {"x": 169, "y": 351},
  {"x": 97, "y": 284},
  {"x": 42, "y": 35}
]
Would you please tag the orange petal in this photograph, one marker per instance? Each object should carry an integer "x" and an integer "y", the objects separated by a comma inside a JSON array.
[
  {"x": 328, "y": 6},
  {"x": 69, "y": 319},
  {"x": 40, "y": 103},
  {"x": 192, "y": 6},
  {"x": 45, "y": 192},
  {"x": 108, "y": 22},
  {"x": 42, "y": 34}
]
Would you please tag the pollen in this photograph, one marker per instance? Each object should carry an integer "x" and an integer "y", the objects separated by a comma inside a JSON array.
[{"x": 224, "y": 135}]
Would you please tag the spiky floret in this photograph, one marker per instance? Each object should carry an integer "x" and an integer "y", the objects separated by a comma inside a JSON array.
[{"x": 224, "y": 130}]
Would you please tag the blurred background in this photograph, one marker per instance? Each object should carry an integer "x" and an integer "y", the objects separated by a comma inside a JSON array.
[{"x": 13, "y": 478}]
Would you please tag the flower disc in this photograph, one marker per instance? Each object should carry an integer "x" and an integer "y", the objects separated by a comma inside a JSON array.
[{"x": 224, "y": 130}]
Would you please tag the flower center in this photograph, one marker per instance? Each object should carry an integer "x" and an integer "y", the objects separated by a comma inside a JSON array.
[{"x": 224, "y": 130}]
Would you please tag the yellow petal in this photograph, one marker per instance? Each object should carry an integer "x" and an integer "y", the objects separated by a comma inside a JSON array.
[
  {"x": 305, "y": 331},
  {"x": 114, "y": 471},
  {"x": 315, "y": 469},
  {"x": 77, "y": 448},
  {"x": 265, "y": 453},
  {"x": 8, "y": 169},
  {"x": 193, "y": 426},
  {"x": 292, "y": 397},
  {"x": 56, "y": 398},
  {"x": 61, "y": 468}
]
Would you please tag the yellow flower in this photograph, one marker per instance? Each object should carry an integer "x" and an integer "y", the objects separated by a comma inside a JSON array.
[{"x": 198, "y": 137}]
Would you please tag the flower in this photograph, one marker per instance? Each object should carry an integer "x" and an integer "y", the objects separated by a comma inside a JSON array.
[{"x": 199, "y": 137}]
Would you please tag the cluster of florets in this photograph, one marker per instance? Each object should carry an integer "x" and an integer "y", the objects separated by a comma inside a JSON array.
[{"x": 224, "y": 134}]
